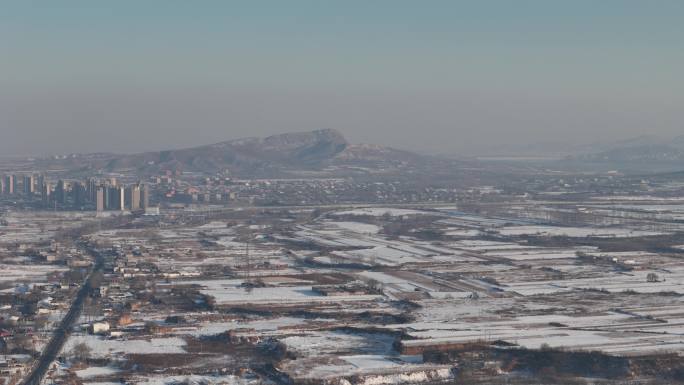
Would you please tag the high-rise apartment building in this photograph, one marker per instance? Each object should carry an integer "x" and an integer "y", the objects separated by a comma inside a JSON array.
[
  {"x": 60, "y": 196},
  {"x": 78, "y": 192},
  {"x": 100, "y": 198},
  {"x": 145, "y": 197},
  {"x": 29, "y": 184},
  {"x": 45, "y": 192},
  {"x": 8, "y": 188},
  {"x": 122, "y": 198},
  {"x": 135, "y": 197}
]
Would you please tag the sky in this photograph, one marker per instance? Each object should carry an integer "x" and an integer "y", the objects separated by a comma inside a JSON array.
[{"x": 431, "y": 76}]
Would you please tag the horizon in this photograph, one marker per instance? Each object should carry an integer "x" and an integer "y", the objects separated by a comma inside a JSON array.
[{"x": 501, "y": 151}]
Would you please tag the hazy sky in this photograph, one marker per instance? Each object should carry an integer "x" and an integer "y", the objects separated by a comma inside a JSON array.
[{"x": 443, "y": 76}]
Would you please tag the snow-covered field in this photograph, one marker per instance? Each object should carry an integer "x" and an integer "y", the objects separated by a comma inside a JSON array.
[
  {"x": 636, "y": 281},
  {"x": 437, "y": 276},
  {"x": 102, "y": 348},
  {"x": 96, "y": 371},
  {"x": 192, "y": 379},
  {"x": 577, "y": 232},
  {"x": 380, "y": 211},
  {"x": 357, "y": 227},
  {"x": 27, "y": 273},
  {"x": 229, "y": 291}
]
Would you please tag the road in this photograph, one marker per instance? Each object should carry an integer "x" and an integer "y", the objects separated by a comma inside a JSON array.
[{"x": 61, "y": 334}]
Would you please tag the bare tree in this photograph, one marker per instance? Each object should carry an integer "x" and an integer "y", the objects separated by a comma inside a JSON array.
[
  {"x": 81, "y": 352},
  {"x": 375, "y": 286}
]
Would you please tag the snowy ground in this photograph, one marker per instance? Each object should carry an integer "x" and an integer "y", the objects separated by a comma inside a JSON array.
[
  {"x": 229, "y": 291},
  {"x": 380, "y": 211},
  {"x": 102, "y": 348},
  {"x": 577, "y": 232}
]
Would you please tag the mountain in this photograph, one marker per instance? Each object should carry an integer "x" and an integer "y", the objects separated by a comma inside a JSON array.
[
  {"x": 644, "y": 153},
  {"x": 641, "y": 153},
  {"x": 302, "y": 149},
  {"x": 589, "y": 150},
  {"x": 373, "y": 154},
  {"x": 321, "y": 151},
  {"x": 646, "y": 148}
]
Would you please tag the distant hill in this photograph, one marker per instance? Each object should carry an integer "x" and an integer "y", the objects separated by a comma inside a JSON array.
[
  {"x": 302, "y": 149},
  {"x": 642, "y": 153},
  {"x": 645, "y": 148},
  {"x": 313, "y": 151},
  {"x": 326, "y": 153}
]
